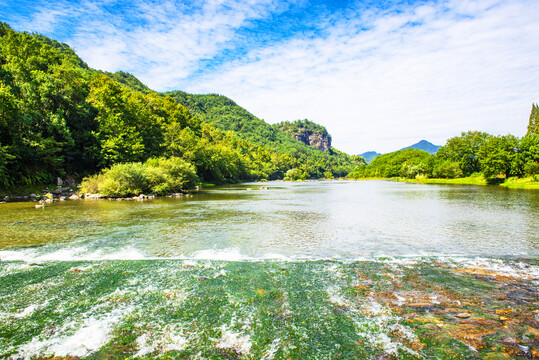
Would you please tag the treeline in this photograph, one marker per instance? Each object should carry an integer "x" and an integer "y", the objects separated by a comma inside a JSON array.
[
  {"x": 59, "y": 118},
  {"x": 224, "y": 114},
  {"x": 472, "y": 152}
]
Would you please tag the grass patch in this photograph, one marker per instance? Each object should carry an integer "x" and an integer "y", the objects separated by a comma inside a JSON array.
[
  {"x": 470, "y": 180},
  {"x": 523, "y": 183}
]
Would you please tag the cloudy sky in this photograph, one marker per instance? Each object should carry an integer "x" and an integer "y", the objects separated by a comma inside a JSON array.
[{"x": 380, "y": 75}]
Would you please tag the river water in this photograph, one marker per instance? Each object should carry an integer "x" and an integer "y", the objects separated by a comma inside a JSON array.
[
  {"x": 343, "y": 220},
  {"x": 267, "y": 270}
]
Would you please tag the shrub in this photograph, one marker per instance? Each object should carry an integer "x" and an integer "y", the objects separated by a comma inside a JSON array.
[
  {"x": 447, "y": 170},
  {"x": 159, "y": 176},
  {"x": 295, "y": 174},
  {"x": 165, "y": 176},
  {"x": 123, "y": 180},
  {"x": 531, "y": 168}
]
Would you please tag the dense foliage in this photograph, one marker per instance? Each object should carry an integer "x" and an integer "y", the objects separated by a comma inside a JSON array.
[
  {"x": 403, "y": 163},
  {"x": 533, "y": 125},
  {"x": 470, "y": 153},
  {"x": 46, "y": 125},
  {"x": 58, "y": 117},
  {"x": 159, "y": 176}
]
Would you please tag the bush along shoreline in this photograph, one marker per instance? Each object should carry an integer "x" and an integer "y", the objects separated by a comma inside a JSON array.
[
  {"x": 173, "y": 177},
  {"x": 157, "y": 176}
]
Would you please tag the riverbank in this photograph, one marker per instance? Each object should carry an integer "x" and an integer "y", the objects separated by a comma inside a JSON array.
[
  {"x": 524, "y": 183},
  {"x": 529, "y": 183},
  {"x": 39, "y": 193},
  {"x": 51, "y": 193}
]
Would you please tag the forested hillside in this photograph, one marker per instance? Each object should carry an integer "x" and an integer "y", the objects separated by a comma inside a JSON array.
[
  {"x": 58, "y": 117},
  {"x": 225, "y": 114}
]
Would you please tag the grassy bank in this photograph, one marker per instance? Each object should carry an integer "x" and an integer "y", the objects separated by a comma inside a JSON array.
[
  {"x": 512, "y": 183},
  {"x": 469, "y": 180},
  {"x": 524, "y": 183}
]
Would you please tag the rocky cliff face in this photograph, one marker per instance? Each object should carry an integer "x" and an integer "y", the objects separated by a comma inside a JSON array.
[
  {"x": 316, "y": 140},
  {"x": 307, "y": 132}
]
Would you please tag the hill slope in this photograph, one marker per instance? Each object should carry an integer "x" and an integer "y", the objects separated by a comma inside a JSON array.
[
  {"x": 61, "y": 118},
  {"x": 225, "y": 114}
]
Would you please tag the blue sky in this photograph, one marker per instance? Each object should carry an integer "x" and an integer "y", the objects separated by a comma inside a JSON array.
[{"x": 380, "y": 75}]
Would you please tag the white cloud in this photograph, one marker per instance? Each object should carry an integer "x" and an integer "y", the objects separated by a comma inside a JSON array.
[
  {"x": 170, "y": 43},
  {"x": 377, "y": 79},
  {"x": 465, "y": 65},
  {"x": 162, "y": 42}
]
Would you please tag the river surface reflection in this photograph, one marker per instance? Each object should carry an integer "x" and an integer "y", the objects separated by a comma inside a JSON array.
[{"x": 322, "y": 219}]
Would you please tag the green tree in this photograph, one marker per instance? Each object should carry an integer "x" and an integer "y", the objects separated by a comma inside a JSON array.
[
  {"x": 496, "y": 155},
  {"x": 463, "y": 149},
  {"x": 295, "y": 174},
  {"x": 533, "y": 125},
  {"x": 119, "y": 137},
  {"x": 447, "y": 169},
  {"x": 169, "y": 175},
  {"x": 529, "y": 147}
]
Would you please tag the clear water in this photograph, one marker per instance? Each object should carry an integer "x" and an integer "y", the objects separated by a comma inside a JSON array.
[
  {"x": 321, "y": 220},
  {"x": 315, "y": 270}
]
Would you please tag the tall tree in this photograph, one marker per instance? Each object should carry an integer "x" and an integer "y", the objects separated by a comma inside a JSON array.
[{"x": 533, "y": 125}]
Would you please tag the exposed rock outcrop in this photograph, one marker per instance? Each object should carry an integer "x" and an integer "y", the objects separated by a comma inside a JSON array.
[{"x": 309, "y": 133}]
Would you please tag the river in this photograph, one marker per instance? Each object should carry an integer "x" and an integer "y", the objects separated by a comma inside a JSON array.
[
  {"x": 325, "y": 219},
  {"x": 324, "y": 269}
]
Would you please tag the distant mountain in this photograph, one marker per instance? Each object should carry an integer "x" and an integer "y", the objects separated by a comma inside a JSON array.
[
  {"x": 422, "y": 145},
  {"x": 425, "y": 146},
  {"x": 369, "y": 155}
]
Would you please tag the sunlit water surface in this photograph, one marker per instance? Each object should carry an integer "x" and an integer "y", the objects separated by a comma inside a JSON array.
[
  {"x": 337, "y": 219},
  {"x": 314, "y": 270}
]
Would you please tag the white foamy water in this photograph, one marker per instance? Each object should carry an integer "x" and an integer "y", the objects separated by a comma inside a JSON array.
[
  {"x": 235, "y": 341},
  {"x": 89, "y": 336},
  {"x": 68, "y": 253},
  {"x": 374, "y": 322}
]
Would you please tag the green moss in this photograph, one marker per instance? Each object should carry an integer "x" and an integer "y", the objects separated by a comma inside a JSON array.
[{"x": 246, "y": 310}]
